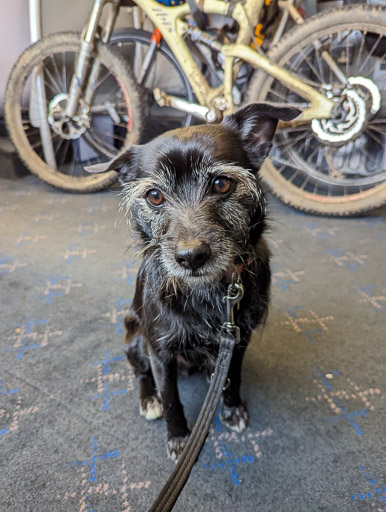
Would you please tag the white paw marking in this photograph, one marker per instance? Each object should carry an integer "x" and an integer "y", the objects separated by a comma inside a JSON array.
[
  {"x": 240, "y": 426},
  {"x": 175, "y": 447},
  {"x": 151, "y": 409},
  {"x": 235, "y": 418}
]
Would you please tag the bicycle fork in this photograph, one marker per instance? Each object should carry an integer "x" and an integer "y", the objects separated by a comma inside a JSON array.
[{"x": 78, "y": 88}]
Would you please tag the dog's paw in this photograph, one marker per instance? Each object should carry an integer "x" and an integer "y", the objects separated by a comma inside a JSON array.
[
  {"x": 175, "y": 447},
  {"x": 151, "y": 408},
  {"x": 236, "y": 418}
]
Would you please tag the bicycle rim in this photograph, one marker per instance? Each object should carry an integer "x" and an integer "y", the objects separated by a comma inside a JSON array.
[
  {"x": 325, "y": 171},
  {"x": 95, "y": 134}
]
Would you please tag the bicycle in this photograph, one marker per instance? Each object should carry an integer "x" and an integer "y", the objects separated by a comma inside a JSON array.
[{"x": 331, "y": 160}]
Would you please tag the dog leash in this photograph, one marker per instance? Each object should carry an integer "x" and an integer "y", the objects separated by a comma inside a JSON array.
[{"x": 230, "y": 336}]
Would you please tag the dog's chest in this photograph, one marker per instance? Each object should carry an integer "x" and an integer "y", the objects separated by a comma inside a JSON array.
[
  {"x": 191, "y": 326},
  {"x": 194, "y": 325}
]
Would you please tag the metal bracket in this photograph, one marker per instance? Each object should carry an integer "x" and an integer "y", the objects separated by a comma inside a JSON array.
[
  {"x": 234, "y": 296},
  {"x": 199, "y": 111}
]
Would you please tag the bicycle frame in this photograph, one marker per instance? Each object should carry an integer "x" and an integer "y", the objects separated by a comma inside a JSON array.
[{"x": 170, "y": 21}]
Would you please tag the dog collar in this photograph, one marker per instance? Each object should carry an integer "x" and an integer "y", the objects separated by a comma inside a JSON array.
[{"x": 236, "y": 269}]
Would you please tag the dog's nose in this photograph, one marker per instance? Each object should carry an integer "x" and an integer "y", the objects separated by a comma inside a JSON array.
[{"x": 193, "y": 255}]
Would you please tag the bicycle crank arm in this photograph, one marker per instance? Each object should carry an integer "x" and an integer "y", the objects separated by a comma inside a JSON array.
[{"x": 204, "y": 113}]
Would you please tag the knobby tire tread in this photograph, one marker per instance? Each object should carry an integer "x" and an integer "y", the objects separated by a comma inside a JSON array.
[
  {"x": 351, "y": 15},
  {"x": 20, "y": 72}
]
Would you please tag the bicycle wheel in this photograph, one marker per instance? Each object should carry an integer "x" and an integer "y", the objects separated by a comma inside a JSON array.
[
  {"x": 337, "y": 166},
  {"x": 54, "y": 147},
  {"x": 162, "y": 71}
]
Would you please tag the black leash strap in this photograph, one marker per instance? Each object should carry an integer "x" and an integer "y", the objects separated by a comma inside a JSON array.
[{"x": 230, "y": 336}]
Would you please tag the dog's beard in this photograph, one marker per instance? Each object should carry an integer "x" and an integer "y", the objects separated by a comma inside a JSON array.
[{"x": 219, "y": 264}]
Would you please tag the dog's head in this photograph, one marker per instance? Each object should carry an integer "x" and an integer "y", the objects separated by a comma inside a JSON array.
[{"x": 193, "y": 193}]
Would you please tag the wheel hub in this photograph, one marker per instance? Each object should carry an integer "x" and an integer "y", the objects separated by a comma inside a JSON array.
[
  {"x": 360, "y": 97},
  {"x": 67, "y": 127}
]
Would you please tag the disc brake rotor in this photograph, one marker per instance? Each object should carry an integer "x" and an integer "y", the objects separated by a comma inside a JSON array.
[
  {"x": 68, "y": 128},
  {"x": 355, "y": 108}
]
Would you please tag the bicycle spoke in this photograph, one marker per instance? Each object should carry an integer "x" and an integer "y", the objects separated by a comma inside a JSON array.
[
  {"x": 319, "y": 158},
  {"x": 321, "y": 66},
  {"x": 39, "y": 143},
  {"x": 360, "y": 49},
  {"x": 312, "y": 67},
  {"x": 294, "y": 175},
  {"x": 329, "y": 51},
  {"x": 52, "y": 79},
  {"x": 88, "y": 159},
  {"x": 64, "y": 71},
  {"x": 378, "y": 121},
  {"x": 109, "y": 134},
  {"x": 31, "y": 131},
  {"x": 344, "y": 38},
  {"x": 369, "y": 132},
  {"x": 309, "y": 158},
  {"x": 100, "y": 81},
  {"x": 291, "y": 141},
  {"x": 377, "y": 60},
  {"x": 58, "y": 146},
  {"x": 280, "y": 96},
  {"x": 347, "y": 158},
  {"x": 362, "y": 149},
  {"x": 305, "y": 183},
  {"x": 73, "y": 163},
  {"x": 97, "y": 142},
  {"x": 56, "y": 71},
  {"x": 376, "y": 129},
  {"x": 51, "y": 88},
  {"x": 347, "y": 55},
  {"x": 109, "y": 121},
  {"x": 65, "y": 151},
  {"x": 369, "y": 54},
  {"x": 283, "y": 161}
]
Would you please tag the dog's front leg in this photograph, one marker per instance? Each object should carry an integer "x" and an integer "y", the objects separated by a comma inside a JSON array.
[
  {"x": 165, "y": 374},
  {"x": 234, "y": 414}
]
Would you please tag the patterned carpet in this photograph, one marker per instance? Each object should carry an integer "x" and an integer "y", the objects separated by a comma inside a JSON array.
[{"x": 71, "y": 437}]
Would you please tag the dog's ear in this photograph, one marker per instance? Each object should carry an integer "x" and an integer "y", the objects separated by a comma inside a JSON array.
[
  {"x": 126, "y": 164},
  {"x": 256, "y": 125}
]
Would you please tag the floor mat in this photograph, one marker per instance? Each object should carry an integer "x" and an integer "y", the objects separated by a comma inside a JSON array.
[{"x": 71, "y": 437}]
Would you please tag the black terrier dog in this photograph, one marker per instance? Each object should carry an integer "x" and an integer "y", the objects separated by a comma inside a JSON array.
[{"x": 193, "y": 197}]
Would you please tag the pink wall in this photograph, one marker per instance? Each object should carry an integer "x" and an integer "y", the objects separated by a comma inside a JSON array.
[
  {"x": 14, "y": 37},
  {"x": 57, "y": 15}
]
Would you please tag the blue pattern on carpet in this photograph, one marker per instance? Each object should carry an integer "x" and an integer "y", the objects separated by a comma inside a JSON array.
[{"x": 71, "y": 437}]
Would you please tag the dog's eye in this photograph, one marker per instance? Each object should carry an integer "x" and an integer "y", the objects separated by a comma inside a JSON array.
[
  {"x": 155, "y": 197},
  {"x": 221, "y": 185}
]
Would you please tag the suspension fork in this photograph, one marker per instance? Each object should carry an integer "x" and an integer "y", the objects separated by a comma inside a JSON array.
[{"x": 78, "y": 87}]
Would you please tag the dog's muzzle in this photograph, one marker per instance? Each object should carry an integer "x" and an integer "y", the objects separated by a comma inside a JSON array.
[{"x": 192, "y": 255}]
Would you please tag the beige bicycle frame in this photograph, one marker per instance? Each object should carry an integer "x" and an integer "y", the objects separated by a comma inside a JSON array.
[{"x": 170, "y": 21}]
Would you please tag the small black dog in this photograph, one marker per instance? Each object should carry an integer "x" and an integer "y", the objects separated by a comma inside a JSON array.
[{"x": 194, "y": 199}]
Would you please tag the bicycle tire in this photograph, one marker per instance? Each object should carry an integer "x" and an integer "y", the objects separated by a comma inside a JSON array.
[
  {"x": 355, "y": 18},
  {"x": 173, "y": 81},
  {"x": 117, "y": 70}
]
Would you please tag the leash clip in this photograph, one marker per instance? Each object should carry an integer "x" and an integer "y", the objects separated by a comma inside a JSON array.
[{"x": 233, "y": 297}]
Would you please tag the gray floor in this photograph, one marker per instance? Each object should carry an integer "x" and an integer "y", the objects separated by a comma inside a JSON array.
[{"x": 71, "y": 437}]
